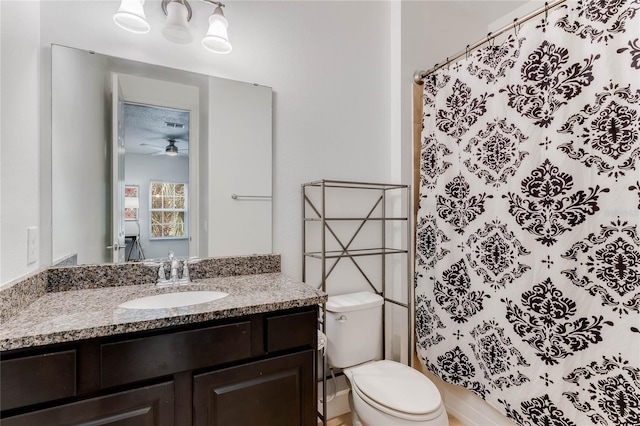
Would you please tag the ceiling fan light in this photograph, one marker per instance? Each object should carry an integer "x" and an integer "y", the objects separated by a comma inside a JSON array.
[
  {"x": 217, "y": 39},
  {"x": 171, "y": 150},
  {"x": 130, "y": 16},
  {"x": 177, "y": 27}
]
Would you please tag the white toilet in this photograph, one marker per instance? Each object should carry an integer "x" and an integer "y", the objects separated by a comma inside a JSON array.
[{"x": 383, "y": 393}]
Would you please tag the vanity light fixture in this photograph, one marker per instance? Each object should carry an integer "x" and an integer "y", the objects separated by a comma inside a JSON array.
[
  {"x": 130, "y": 16},
  {"x": 217, "y": 39},
  {"x": 177, "y": 27}
]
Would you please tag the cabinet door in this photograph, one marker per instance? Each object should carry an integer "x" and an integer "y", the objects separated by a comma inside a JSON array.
[
  {"x": 276, "y": 391},
  {"x": 148, "y": 406}
]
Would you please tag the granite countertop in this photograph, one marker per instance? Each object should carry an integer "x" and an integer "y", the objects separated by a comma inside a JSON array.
[{"x": 68, "y": 316}]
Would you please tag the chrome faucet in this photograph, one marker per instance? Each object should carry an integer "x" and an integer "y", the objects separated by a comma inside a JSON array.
[
  {"x": 174, "y": 271},
  {"x": 174, "y": 268}
]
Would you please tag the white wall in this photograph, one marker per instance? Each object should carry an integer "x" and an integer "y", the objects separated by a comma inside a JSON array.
[
  {"x": 140, "y": 169},
  {"x": 331, "y": 83},
  {"x": 20, "y": 137}
]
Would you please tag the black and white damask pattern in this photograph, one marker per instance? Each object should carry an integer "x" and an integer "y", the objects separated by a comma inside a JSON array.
[
  {"x": 636, "y": 188},
  {"x": 455, "y": 367},
  {"x": 431, "y": 87},
  {"x": 609, "y": 265},
  {"x": 547, "y": 209},
  {"x": 608, "y": 391},
  {"x": 429, "y": 241},
  {"x": 528, "y": 245},
  {"x": 492, "y": 64},
  {"x": 542, "y": 411},
  {"x": 546, "y": 322},
  {"x": 599, "y": 21},
  {"x": 633, "y": 48},
  {"x": 453, "y": 294},
  {"x": 458, "y": 207},
  {"x": 431, "y": 164},
  {"x": 498, "y": 358},
  {"x": 427, "y": 323},
  {"x": 605, "y": 134},
  {"x": 550, "y": 81},
  {"x": 495, "y": 154},
  {"x": 494, "y": 254},
  {"x": 463, "y": 110}
]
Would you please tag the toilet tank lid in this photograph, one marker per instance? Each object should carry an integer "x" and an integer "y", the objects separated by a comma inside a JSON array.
[{"x": 353, "y": 301}]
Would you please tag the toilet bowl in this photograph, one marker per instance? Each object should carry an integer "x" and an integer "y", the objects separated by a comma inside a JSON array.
[
  {"x": 383, "y": 393},
  {"x": 387, "y": 393}
]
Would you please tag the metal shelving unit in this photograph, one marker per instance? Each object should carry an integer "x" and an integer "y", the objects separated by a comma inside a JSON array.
[{"x": 315, "y": 203}]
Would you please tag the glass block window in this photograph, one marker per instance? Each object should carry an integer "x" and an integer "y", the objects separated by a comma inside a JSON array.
[{"x": 168, "y": 210}]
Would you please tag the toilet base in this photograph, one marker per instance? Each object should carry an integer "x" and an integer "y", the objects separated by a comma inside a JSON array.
[{"x": 355, "y": 420}]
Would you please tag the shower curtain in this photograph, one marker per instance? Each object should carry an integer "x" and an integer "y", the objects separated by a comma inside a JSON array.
[{"x": 528, "y": 253}]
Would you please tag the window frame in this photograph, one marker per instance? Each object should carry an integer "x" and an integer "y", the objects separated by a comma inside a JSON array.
[{"x": 184, "y": 210}]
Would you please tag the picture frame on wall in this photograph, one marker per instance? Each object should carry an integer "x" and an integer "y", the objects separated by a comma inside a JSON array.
[{"x": 131, "y": 202}]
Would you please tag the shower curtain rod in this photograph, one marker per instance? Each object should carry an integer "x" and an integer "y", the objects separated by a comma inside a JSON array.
[{"x": 419, "y": 75}]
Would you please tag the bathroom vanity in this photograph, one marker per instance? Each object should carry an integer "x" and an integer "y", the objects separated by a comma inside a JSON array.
[{"x": 247, "y": 359}]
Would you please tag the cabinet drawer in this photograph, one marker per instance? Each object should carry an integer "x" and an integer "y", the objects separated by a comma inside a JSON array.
[
  {"x": 291, "y": 331},
  {"x": 150, "y": 405},
  {"x": 162, "y": 355},
  {"x": 39, "y": 378}
]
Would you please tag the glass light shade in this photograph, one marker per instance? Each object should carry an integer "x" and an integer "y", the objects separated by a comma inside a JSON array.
[
  {"x": 171, "y": 150},
  {"x": 177, "y": 26},
  {"x": 216, "y": 39},
  {"x": 131, "y": 17}
]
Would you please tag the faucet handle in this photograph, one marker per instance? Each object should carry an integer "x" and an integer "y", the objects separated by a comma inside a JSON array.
[
  {"x": 161, "y": 275},
  {"x": 185, "y": 271}
]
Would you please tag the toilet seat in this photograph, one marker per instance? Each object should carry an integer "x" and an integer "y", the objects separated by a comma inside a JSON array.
[{"x": 397, "y": 390}]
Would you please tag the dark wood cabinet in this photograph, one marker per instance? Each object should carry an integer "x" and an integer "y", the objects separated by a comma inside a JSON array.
[
  {"x": 148, "y": 406},
  {"x": 256, "y": 370},
  {"x": 274, "y": 391}
]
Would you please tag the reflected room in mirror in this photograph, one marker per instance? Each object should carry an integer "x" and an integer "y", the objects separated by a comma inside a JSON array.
[{"x": 185, "y": 141}]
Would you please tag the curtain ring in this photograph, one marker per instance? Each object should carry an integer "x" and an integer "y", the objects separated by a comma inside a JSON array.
[
  {"x": 515, "y": 27},
  {"x": 466, "y": 52},
  {"x": 448, "y": 63},
  {"x": 491, "y": 41}
]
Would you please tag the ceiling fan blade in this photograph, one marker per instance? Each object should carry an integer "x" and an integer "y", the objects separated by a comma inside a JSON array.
[{"x": 152, "y": 144}]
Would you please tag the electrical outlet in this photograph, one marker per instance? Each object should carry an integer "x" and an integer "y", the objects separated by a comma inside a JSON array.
[{"x": 32, "y": 245}]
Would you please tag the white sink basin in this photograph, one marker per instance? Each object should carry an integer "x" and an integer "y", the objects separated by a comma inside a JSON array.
[{"x": 173, "y": 300}]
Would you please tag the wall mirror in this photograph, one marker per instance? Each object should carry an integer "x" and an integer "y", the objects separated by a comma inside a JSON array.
[{"x": 148, "y": 159}]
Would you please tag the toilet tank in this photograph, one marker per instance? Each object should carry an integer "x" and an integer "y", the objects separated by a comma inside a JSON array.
[{"x": 354, "y": 328}]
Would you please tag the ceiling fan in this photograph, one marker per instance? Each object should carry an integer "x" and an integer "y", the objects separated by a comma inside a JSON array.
[{"x": 170, "y": 150}]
